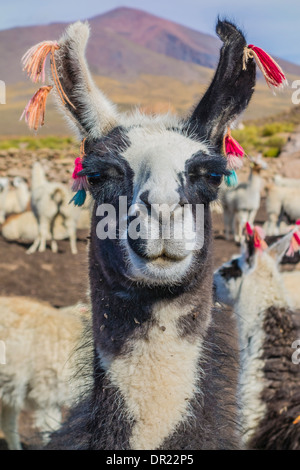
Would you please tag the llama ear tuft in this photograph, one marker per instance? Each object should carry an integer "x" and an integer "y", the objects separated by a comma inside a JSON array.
[
  {"x": 92, "y": 113},
  {"x": 85, "y": 106},
  {"x": 230, "y": 90},
  {"x": 281, "y": 246}
]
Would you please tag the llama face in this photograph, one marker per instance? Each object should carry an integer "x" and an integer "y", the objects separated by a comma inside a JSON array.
[
  {"x": 3, "y": 184},
  {"x": 254, "y": 271},
  {"x": 168, "y": 180},
  {"x": 150, "y": 161},
  {"x": 227, "y": 281}
]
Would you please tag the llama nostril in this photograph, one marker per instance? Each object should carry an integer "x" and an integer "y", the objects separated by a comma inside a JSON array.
[{"x": 144, "y": 197}]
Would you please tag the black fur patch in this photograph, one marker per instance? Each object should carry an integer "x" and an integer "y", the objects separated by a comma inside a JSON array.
[
  {"x": 282, "y": 395},
  {"x": 230, "y": 91},
  {"x": 231, "y": 272}
]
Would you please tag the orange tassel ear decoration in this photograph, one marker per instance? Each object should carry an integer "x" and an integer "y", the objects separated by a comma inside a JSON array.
[
  {"x": 34, "y": 112},
  {"x": 34, "y": 62}
]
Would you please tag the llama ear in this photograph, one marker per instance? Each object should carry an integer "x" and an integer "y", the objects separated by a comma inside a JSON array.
[
  {"x": 280, "y": 247},
  {"x": 230, "y": 90},
  {"x": 248, "y": 251},
  {"x": 92, "y": 113}
]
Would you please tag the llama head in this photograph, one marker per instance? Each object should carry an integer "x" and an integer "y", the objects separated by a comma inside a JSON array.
[
  {"x": 4, "y": 182},
  {"x": 19, "y": 181},
  {"x": 257, "y": 164},
  {"x": 153, "y": 161},
  {"x": 252, "y": 271}
]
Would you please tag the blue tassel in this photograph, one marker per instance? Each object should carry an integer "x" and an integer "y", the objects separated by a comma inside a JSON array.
[
  {"x": 79, "y": 197},
  {"x": 232, "y": 179}
]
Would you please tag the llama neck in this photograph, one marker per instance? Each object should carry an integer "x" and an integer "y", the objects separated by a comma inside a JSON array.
[
  {"x": 253, "y": 318},
  {"x": 23, "y": 196},
  {"x": 254, "y": 181},
  {"x": 149, "y": 347}
]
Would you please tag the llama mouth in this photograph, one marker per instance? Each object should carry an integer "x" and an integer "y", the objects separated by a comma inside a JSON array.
[{"x": 160, "y": 269}]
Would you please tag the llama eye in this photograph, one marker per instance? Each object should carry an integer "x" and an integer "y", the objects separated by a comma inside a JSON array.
[
  {"x": 93, "y": 179},
  {"x": 214, "y": 178}
]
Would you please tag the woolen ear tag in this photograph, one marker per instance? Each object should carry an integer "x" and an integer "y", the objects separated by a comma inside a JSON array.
[
  {"x": 234, "y": 153},
  {"x": 34, "y": 113},
  {"x": 80, "y": 184},
  {"x": 272, "y": 72},
  {"x": 34, "y": 61}
]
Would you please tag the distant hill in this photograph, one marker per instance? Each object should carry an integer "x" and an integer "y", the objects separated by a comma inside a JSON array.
[{"x": 139, "y": 58}]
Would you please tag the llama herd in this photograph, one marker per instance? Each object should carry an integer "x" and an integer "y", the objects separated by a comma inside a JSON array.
[
  {"x": 41, "y": 214},
  {"x": 157, "y": 360}
]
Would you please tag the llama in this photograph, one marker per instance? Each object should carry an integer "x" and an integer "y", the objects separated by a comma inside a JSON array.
[
  {"x": 48, "y": 200},
  {"x": 4, "y": 184},
  {"x": 18, "y": 198},
  {"x": 40, "y": 342},
  {"x": 241, "y": 204},
  {"x": 269, "y": 381},
  {"x": 24, "y": 227},
  {"x": 282, "y": 201},
  {"x": 289, "y": 182},
  {"x": 158, "y": 342}
]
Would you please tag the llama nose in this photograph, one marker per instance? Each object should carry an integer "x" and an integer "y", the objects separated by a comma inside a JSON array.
[
  {"x": 173, "y": 199},
  {"x": 144, "y": 197}
]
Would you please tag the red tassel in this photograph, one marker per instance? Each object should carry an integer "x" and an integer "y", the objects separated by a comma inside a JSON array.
[
  {"x": 80, "y": 182},
  {"x": 34, "y": 112},
  {"x": 248, "y": 228},
  {"x": 258, "y": 236},
  {"x": 295, "y": 243},
  {"x": 272, "y": 72},
  {"x": 234, "y": 152}
]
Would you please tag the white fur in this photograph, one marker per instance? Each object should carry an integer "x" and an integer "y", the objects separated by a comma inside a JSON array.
[
  {"x": 39, "y": 343},
  {"x": 14, "y": 200},
  {"x": 281, "y": 198},
  {"x": 287, "y": 182},
  {"x": 50, "y": 199},
  {"x": 99, "y": 112},
  {"x": 24, "y": 227},
  {"x": 241, "y": 204},
  {"x": 4, "y": 185},
  {"x": 157, "y": 378},
  {"x": 260, "y": 287}
]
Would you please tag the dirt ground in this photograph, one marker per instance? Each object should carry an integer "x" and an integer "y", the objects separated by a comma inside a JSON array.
[{"x": 61, "y": 278}]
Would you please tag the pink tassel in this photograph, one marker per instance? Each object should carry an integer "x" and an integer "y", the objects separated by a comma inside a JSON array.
[
  {"x": 80, "y": 182},
  {"x": 234, "y": 152},
  {"x": 294, "y": 244},
  {"x": 34, "y": 111},
  {"x": 259, "y": 241},
  {"x": 248, "y": 228},
  {"x": 258, "y": 236},
  {"x": 272, "y": 72}
]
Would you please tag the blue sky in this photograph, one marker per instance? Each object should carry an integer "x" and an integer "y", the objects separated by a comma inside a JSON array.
[{"x": 271, "y": 24}]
